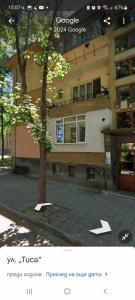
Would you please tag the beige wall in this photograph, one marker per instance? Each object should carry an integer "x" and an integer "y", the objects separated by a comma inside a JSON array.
[
  {"x": 86, "y": 64},
  {"x": 81, "y": 158},
  {"x": 34, "y": 76},
  {"x": 25, "y": 146}
]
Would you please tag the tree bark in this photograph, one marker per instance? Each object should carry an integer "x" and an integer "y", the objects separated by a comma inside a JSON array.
[
  {"x": 2, "y": 136},
  {"x": 42, "y": 172},
  {"x": 42, "y": 176},
  {"x": 43, "y": 113}
]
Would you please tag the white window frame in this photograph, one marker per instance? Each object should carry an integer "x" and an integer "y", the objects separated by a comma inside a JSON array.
[
  {"x": 63, "y": 123},
  {"x": 82, "y": 83}
]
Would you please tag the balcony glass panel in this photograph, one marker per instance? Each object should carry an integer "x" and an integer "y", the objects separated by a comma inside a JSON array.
[
  {"x": 89, "y": 90},
  {"x": 124, "y": 120},
  {"x": 125, "y": 42},
  {"x": 75, "y": 93},
  {"x": 133, "y": 93},
  {"x": 123, "y": 94},
  {"x": 133, "y": 66},
  {"x": 122, "y": 69},
  {"x": 121, "y": 44},
  {"x": 82, "y": 92},
  {"x": 131, "y": 39}
]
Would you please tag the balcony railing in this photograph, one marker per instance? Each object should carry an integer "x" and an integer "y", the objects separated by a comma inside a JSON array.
[{"x": 100, "y": 96}]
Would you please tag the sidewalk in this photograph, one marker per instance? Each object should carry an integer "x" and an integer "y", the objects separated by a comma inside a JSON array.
[
  {"x": 18, "y": 230},
  {"x": 84, "y": 208}
]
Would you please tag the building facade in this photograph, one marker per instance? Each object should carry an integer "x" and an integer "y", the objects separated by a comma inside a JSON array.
[{"x": 92, "y": 125}]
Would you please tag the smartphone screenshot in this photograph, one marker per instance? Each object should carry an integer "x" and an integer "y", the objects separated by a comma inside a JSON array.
[{"x": 67, "y": 149}]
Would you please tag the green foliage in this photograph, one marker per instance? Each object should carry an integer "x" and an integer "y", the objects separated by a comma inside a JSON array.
[
  {"x": 5, "y": 117},
  {"x": 32, "y": 27},
  {"x": 26, "y": 112}
]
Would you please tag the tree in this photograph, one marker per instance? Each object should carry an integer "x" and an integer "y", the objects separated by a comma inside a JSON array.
[
  {"x": 5, "y": 119},
  {"x": 53, "y": 67}
]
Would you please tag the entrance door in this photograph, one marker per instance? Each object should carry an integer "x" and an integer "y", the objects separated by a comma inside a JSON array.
[{"x": 127, "y": 166}]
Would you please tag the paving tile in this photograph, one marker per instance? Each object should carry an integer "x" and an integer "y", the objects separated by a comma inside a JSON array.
[{"x": 85, "y": 206}]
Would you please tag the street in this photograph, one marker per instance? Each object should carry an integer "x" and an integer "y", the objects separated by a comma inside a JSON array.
[{"x": 82, "y": 209}]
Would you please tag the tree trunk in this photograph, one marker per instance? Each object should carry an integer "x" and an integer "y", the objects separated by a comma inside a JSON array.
[
  {"x": 43, "y": 113},
  {"x": 42, "y": 176},
  {"x": 2, "y": 136}
]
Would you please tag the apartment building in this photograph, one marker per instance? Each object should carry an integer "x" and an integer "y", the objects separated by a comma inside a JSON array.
[{"x": 92, "y": 123}]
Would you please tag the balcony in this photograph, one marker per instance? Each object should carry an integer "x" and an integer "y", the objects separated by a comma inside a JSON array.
[
  {"x": 68, "y": 107},
  {"x": 125, "y": 45},
  {"x": 125, "y": 98}
]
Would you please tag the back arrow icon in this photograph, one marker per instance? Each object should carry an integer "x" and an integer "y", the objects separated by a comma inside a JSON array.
[
  {"x": 105, "y": 228},
  {"x": 11, "y": 21},
  {"x": 105, "y": 291}
]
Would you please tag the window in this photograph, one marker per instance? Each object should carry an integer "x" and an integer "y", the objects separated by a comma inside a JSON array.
[
  {"x": 125, "y": 42},
  {"x": 82, "y": 92},
  {"x": 132, "y": 17},
  {"x": 122, "y": 69},
  {"x": 87, "y": 91},
  {"x": 76, "y": 39},
  {"x": 125, "y": 68},
  {"x": 54, "y": 169},
  {"x": 127, "y": 159},
  {"x": 123, "y": 93},
  {"x": 126, "y": 120},
  {"x": 126, "y": 93},
  {"x": 96, "y": 87},
  {"x": 71, "y": 171},
  {"x": 121, "y": 44},
  {"x": 131, "y": 39},
  {"x": 70, "y": 130},
  {"x": 59, "y": 130},
  {"x": 90, "y": 173},
  {"x": 93, "y": 29},
  {"x": 81, "y": 129},
  {"x": 69, "y": 41},
  {"x": 133, "y": 92},
  {"x": 133, "y": 65},
  {"x": 75, "y": 93}
]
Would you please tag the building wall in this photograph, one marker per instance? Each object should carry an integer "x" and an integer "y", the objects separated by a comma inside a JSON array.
[
  {"x": 86, "y": 64},
  {"x": 94, "y": 138},
  {"x": 23, "y": 143}
]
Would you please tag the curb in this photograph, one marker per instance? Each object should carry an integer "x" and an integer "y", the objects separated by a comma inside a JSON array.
[
  {"x": 119, "y": 195},
  {"x": 14, "y": 215}
]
